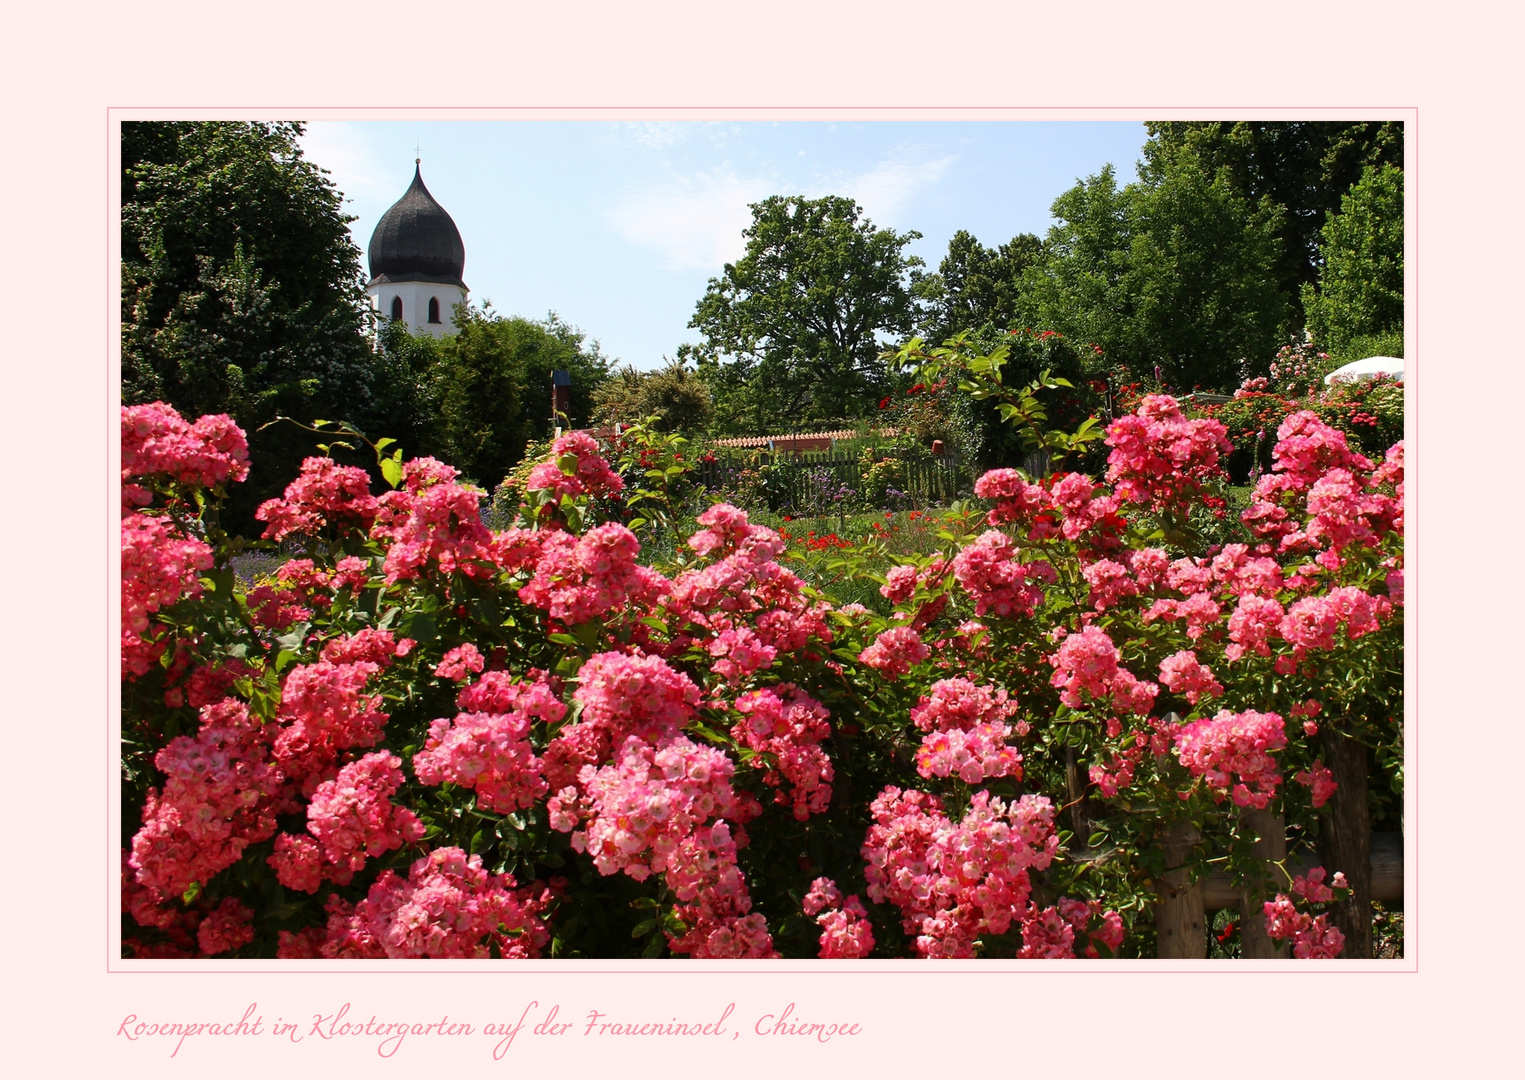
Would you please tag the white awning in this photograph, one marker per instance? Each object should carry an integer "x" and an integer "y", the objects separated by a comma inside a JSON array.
[{"x": 1365, "y": 369}]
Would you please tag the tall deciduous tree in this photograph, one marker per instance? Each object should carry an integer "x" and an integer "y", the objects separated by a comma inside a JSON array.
[
  {"x": 1360, "y": 283},
  {"x": 1305, "y": 166},
  {"x": 1202, "y": 276},
  {"x": 489, "y": 388},
  {"x": 673, "y": 394},
  {"x": 241, "y": 289},
  {"x": 1178, "y": 272},
  {"x": 793, "y": 329},
  {"x": 1078, "y": 287},
  {"x": 976, "y": 286}
]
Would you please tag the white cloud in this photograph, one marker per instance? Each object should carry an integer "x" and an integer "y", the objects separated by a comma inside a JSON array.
[
  {"x": 887, "y": 189},
  {"x": 695, "y": 221},
  {"x": 346, "y": 152},
  {"x": 656, "y": 134}
]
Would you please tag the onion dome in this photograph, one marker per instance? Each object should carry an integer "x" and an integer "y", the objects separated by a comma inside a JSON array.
[{"x": 417, "y": 241}]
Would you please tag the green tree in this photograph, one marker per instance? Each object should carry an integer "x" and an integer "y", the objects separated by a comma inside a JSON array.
[
  {"x": 975, "y": 286},
  {"x": 1360, "y": 284},
  {"x": 1078, "y": 286},
  {"x": 241, "y": 289},
  {"x": 1177, "y": 271},
  {"x": 793, "y": 329},
  {"x": 489, "y": 388},
  {"x": 673, "y": 394},
  {"x": 408, "y": 366},
  {"x": 1305, "y": 166},
  {"x": 1202, "y": 277}
]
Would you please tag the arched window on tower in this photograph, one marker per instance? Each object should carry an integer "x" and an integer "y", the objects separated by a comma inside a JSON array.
[
  {"x": 434, "y": 309},
  {"x": 397, "y": 309}
]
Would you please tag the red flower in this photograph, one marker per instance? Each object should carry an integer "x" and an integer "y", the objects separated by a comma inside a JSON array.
[{"x": 884, "y": 403}]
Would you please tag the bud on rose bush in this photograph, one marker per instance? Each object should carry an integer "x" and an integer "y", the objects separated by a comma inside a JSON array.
[{"x": 425, "y": 738}]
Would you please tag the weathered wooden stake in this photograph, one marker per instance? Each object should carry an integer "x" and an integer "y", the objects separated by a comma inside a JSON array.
[
  {"x": 1346, "y": 841},
  {"x": 1180, "y": 921},
  {"x": 1270, "y": 847},
  {"x": 1075, "y": 790}
]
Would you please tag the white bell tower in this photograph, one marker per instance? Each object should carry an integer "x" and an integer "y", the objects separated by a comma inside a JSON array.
[{"x": 416, "y": 261}]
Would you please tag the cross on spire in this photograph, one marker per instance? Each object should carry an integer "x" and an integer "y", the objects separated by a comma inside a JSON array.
[{"x": 417, "y": 155}]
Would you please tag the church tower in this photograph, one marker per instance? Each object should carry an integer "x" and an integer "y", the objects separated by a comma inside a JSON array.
[{"x": 416, "y": 259}]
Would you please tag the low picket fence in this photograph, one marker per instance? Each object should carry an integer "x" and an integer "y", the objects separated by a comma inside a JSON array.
[{"x": 807, "y": 481}]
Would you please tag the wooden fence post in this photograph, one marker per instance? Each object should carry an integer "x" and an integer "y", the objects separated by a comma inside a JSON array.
[
  {"x": 1346, "y": 841},
  {"x": 1270, "y": 847},
  {"x": 1180, "y": 920}
]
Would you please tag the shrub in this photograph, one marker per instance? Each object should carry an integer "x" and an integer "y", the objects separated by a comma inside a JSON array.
[
  {"x": 1368, "y": 411},
  {"x": 424, "y": 738}
]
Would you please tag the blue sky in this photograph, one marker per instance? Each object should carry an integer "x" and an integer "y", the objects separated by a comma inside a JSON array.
[{"x": 618, "y": 225}]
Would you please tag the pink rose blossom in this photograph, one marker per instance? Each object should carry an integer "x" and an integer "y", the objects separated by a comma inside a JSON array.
[
  {"x": 1234, "y": 744},
  {"x": 895, "y": 652}
]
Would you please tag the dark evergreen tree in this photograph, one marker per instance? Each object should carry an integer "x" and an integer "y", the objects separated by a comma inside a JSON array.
[{"x": 241, "y": 289}]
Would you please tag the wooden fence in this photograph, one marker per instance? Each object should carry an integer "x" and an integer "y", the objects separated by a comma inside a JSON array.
[
  {"x": 809, "y": 481},
  {"x": 1182, "y": 906}
]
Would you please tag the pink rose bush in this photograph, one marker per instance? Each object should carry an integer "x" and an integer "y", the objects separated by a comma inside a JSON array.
[
  {"x": 423, "y": 738},
  {"x": 846, "y": 933},
  {"x": 1287, "y": 919},
  {"x": 448, "y": 907}
]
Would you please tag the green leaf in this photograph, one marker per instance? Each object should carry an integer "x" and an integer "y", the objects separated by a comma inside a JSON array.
[
  {"x": 219, "y": 582},
  {"x": 391, "y": 471},
  {"x": 420, "y": 627}
]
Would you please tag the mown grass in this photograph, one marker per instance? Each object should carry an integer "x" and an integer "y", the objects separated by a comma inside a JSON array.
[{"x": 846, "y": 556}]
